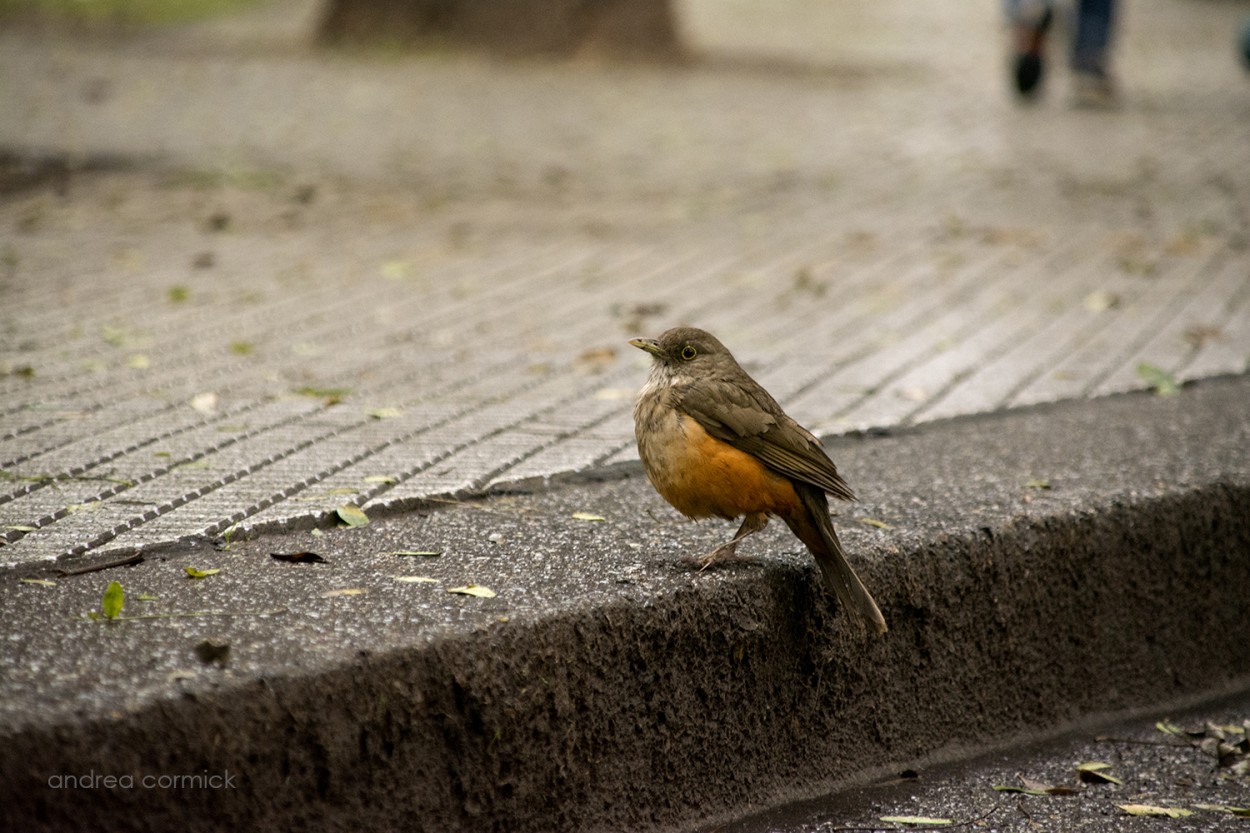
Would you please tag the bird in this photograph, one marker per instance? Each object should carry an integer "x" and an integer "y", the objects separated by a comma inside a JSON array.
[{"x": 715, "y": 443}]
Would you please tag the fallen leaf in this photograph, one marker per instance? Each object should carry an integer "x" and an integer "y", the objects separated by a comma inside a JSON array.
[
  {"x": 346, "y": 591},
  {"x": 197, "y": 573},
  {"x": 1169, "y": 728},
  {"x": 352, "y": 515},
  {"x": 298, "y": 557},
  {"x": 395, "y": 270},
  {"x": 21, "y": 527},
  {"x": 113, "y": 601},
  {"x": 473, "y": 590},
  {"x": 1007, "y": 788},
  {"x": 383, "y": 413},
  {"x": 1101, "y": 300},
  {"x": 205, "y": 403},
  {"x": 587, "y": 516},
  {"x": 1241, "y": 812},
  {"x": 1095, "y": 772},
  {"x": 1159, "y": 380},
  {"x": 913, "y": 394},
  {"x": 873, "y": 522},
  {"x": 417, "y": 579},
  {"x": 332, "y": 395},
  {"x": 146, "y": 597},
  {"x": 178, "y": 294},
  {"x": 241, "y": 348},
  {"x": 918, "y": 820},
  {"x": 1039, "y": 483},
  {"x": 1152, "y": 810},
  {"x": 381, "y": 478},
  {"x": 41, "y": 582}
]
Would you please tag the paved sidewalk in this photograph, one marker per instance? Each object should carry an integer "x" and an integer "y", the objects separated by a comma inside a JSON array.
[{"x": 310, "y": 280}]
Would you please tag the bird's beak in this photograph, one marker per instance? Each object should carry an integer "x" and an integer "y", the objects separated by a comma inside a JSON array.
[{"x": 649, "y": 344}]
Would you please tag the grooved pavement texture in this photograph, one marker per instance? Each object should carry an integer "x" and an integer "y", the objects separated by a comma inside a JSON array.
[{"x": 263, "y": 282}]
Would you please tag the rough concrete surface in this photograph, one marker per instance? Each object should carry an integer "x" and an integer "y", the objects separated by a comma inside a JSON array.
[
  {"x": 1035, "y": 566},
  {"x": 246, "y": 282},
  {"x": 1165, "y": 760}
]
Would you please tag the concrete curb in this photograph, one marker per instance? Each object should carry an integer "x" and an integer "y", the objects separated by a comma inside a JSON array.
[{"x": 648, "y": 698}]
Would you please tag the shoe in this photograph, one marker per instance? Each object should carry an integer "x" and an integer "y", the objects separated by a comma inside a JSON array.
[
  {"x": 1030, "y": 63},
  {"x": 1094, "y": 90}
]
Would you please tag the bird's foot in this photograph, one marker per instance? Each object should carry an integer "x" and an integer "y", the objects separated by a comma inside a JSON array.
[{"x": 724, "y": 554}]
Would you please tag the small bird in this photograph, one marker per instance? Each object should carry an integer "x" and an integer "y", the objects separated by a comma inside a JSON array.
[{"x": 714, "y": 443}]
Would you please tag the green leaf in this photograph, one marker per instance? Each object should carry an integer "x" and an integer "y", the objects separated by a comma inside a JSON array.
[
  {"x": 1159, "y": 380},
  {"x": 1169, "y": 728},
  {"x": 1095, "y": 772},
  {"x": 1037, "y": 483},
  {"x": 114, "y": 600},
  {"x": 473, "y": 590},
  {"x": 1007, "y": 788},
  {"x": 352, "y": 515},
  {"x": 41, "y": 582},
  {"x": 197, "y": 573},
  {"x": 1242, "y": 812},
  {"x": 178, "y": 294},
  {"x": 1101, "y": 300},
  {"x": 587, "y": 516},
  {"x": 919, "y": 820},
  {"x": 332, "y": 394},
  {"x": 1152, "y": 810}
]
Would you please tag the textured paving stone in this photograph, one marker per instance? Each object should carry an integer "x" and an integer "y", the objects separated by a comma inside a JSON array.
[{"x": 328, "y": 279}]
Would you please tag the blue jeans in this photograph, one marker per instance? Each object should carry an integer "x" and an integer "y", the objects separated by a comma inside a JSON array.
[{"x": 1095, "y": 20}]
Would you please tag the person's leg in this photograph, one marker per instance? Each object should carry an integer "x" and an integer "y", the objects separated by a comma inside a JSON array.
[
  {"x": 1095, "y": 20},
  {"x": 1030, "y": 21},
  {"x": 1095, "y": 26}
]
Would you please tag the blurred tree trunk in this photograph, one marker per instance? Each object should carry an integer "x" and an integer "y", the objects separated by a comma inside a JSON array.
[{"x": 644, "y": 29}]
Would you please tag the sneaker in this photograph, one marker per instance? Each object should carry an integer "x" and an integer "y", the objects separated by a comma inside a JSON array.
[
  {"x": 1030, "y": 39},
  {"x": 1094, "y": 90}
]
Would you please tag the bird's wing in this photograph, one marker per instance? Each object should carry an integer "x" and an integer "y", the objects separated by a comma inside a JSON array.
[{"x": 750, "y": 420}]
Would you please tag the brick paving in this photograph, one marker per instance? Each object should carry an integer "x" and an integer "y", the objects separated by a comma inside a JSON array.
[{"x": 310, "y": 280}]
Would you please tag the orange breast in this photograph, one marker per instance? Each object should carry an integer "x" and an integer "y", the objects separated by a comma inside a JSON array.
[{"x": 702, "y": 477}]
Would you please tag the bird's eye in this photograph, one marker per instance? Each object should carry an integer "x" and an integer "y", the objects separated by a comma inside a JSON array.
[{"x": 688, "y": 353}]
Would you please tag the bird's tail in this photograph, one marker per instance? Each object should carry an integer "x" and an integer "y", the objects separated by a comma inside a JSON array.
[{"x": 816, "y": 531}]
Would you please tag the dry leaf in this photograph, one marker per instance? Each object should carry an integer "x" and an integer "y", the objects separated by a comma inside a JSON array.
[
  {"x": 919, "y": 820},
  {"x": 473, "y": 590},
  {"x": 346, "y": 591},
  {"x": 417, "y": 579},
  {"x": 205, "y": 403},
  {"x": 1152, "y": 810},
  {"x": 587, "y": 516},
  {"x": 1101, "y": 300},
  {"x": 298, "y": 557},
  {"x": 352, "y": 515},
  {"x": 1095, "y": 772}
]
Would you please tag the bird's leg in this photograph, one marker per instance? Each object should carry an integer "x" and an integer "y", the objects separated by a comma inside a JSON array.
[{"x": 752, "y": 523}]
